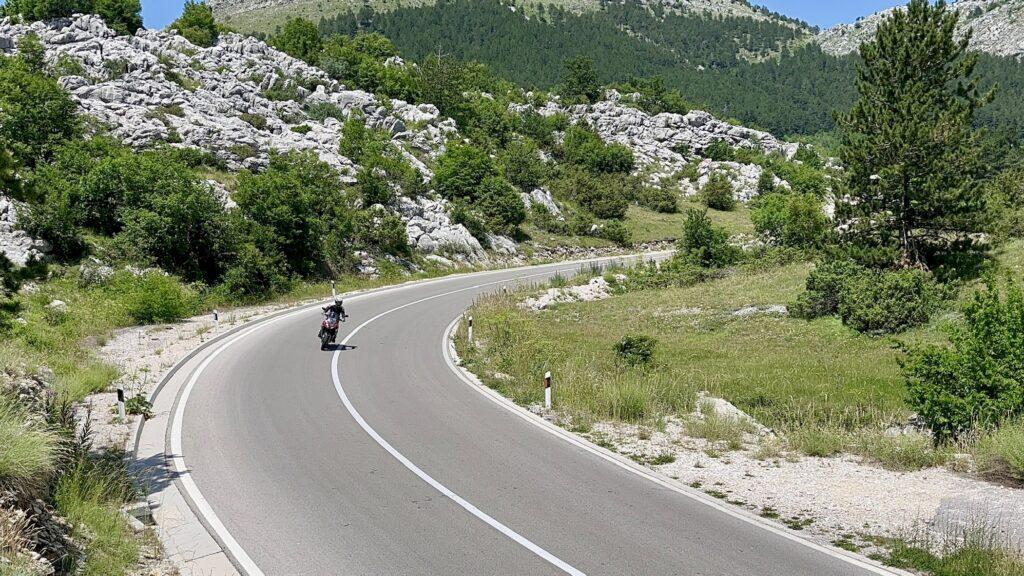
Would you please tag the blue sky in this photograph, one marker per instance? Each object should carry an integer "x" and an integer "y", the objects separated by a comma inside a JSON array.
[{"x": 824, "y": 13}]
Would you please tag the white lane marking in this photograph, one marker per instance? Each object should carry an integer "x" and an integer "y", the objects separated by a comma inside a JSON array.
[
  {"x": 497, "y": 398},
  {"x": 203, "y": 508},
  {"x": 469, "y": 507}
]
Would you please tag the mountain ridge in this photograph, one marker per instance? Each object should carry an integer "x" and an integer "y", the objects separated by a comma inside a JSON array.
[{"x": 998, "y": 27}]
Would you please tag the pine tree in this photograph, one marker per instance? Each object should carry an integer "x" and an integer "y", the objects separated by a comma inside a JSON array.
[{"x": 912, "y": 156}]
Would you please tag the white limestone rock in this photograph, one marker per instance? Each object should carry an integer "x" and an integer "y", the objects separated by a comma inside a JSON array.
[{"x": 16, "y": 244}]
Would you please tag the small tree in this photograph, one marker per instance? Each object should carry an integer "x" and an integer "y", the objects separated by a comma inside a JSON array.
[
  {"x": 911, "y": 153},
  {"x": 300, "y": 39},
  {"x": 36, "y": 114},
  {"x": 521, "y": 164},
  {"x": 461, "y": 170},
  {"x": 979, "y": 380},
  {"x": 581, "y": 81},
  {"x": 124, "y": 16},
  {"x": 197, "y": 24},
  {"x": 704, "y": 243},
  {"x": 718, "y": 193}
]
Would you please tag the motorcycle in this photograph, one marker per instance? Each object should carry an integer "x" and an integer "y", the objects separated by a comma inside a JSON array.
[{"x": 329, "y": 328}]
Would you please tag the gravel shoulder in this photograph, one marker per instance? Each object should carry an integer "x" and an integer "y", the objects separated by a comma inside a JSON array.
[{"x": 829, "y": 499}]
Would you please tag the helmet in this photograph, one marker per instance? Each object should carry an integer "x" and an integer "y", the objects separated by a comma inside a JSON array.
[{"x": 338, "y": 301}]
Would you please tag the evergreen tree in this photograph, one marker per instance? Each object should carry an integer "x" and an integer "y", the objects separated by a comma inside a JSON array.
[
  {"x": 300, "y": 39},
  {"x": 911, "y": 153},
  {"x": 581, "y": 80}
]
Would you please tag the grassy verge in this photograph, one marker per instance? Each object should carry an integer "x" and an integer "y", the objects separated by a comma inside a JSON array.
[
  {"x": 973, "y": 551},
  {"x": 759, "y": 362}
]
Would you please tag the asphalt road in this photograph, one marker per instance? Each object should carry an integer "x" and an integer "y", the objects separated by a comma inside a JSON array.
[{"x": 397, "y": 467}]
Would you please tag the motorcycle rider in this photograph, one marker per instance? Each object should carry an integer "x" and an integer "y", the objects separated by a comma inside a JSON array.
[{"x": 337, "y": 307}]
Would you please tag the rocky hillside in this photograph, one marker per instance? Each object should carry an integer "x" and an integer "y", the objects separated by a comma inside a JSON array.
[
  {"x": 242, "y": 100},
  {"x": 265, "y": 14},
  {"x": 998, "y": 27}
]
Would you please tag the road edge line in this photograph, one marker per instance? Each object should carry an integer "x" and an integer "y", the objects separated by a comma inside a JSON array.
[
  {"x": 473, "y": 381},
  {"x": 170, "y": 459}
]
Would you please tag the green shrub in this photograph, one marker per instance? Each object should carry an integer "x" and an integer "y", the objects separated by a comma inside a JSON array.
[
  {"x": 471, "y": 218},
  {"x": 605, "y": 196},
  {"x": 257, "y": 121},
  {"x": 824, "y": 289},
  {"x": 765, "y": 183},
  {"x": 359, "y": 62},
  {"x": 808, "y": 156},
  {"x": 635, "y": 350},
  {"x": 718, "y": 193},
  {"x": 254, "y": 275},
  {"x": 795, "y": 220},
  {"x": 888, "y": 302},
  {"x": 155, "y": 298},
  {"x": 291, "y": 202},
  {"x": 542, "y": 218},
  {"x": 521, "y": 164},
  {"x": 300, "y": 39},
  {"x": 582, "y": 147},
  {"x": 615, "y": 231},
  {"x": 197, "y": 24},
  {"x": 321, "y": 111},
  {"x": 381, "y": 231},
  {"x": 36, "y": 115},
  {"x": 501, "y": 204},
  {"x": 999, "y": 453},
  {"x": 657, "y": 198},
  {"x": 704, "y": 243},
  {"x": 139, "y": 406},
  {"x": 302, "y": 129},
  {"x": 720, "y": 151},
  {"x": 461, "y": 170},
  {"x": 374, "y": 186},
  {"x": 977, "y": 381}
]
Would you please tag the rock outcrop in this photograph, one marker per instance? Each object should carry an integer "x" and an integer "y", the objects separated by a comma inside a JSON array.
[
  {"x": 997, "y": 25},
  {"x": 664, "y": 144},
  {"x": 239, "y": 99},
  {"x": 16, "y": 244}
]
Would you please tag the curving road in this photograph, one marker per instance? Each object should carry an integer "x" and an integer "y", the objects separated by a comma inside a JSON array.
[{"x": 379, "y": 460}]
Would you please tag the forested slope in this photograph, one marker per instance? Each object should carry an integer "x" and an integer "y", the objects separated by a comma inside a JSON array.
[{"x": 757, "y": 71}]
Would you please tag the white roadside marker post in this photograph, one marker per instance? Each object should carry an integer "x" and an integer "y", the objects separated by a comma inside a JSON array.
[
  {"x": 120, "y": 401},
  {"x": 216, "y": 322},
  {"x": 334, "y": 291},
  {"x": 470, "y": 331},
  {"x": 547, "y": 390}
]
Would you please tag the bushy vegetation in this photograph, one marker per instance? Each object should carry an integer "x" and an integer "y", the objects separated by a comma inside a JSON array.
[
  {"x": 718, "y": 193},
  {"x": 197, "y": 24},
  {"x": 704, "y": 243},
  {"x": 635, "y": 350},
  {"x": 124, "y": 16},
  {"x": 977, "y": 382},
  {"x": 870, "y": 301},
  {"x": 790, "y": 219},
  {"x": 467, "y": 175}
]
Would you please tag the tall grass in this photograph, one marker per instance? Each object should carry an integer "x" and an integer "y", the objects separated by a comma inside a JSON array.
[
  {"x": 999, "y": 454},
  {"x": 976, "y": 550},
  {"x": 90, "y": 498},
  {"x": 28, "y": 450},
  {"x": 761, "y": 364}
]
